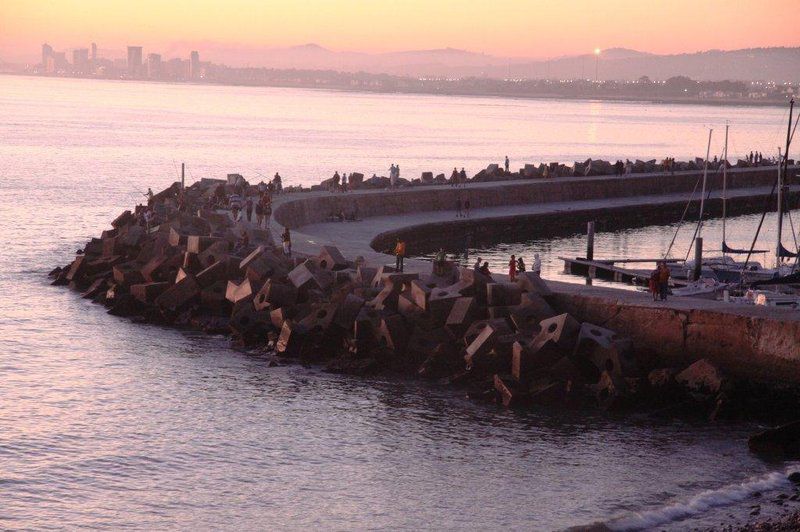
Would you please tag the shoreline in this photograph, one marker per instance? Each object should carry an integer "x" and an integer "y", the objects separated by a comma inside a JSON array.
[{"x": 465, "y": 94}]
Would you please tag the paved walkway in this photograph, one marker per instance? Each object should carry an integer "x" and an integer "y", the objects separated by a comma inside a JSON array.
[{"x": 353, "y": 240}]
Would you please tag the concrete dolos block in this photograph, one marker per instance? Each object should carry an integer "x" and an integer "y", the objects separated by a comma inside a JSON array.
[
  {"x": 179, "y": 295},
  {"x": 236, "y": 292},
  {"x": 148, "y": 292},
  {"x": 606, "y": 350},
  {"x": 503, "y": 294},
  {"x": 532, "y": 282},
  {"x": 331, "y": 259},
  {"x": 556, "y": 339},
  {"x": 275, "y": 294}
]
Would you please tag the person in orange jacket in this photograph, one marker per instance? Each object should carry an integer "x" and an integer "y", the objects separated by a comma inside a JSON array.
[{"x": 399, "y": 253}]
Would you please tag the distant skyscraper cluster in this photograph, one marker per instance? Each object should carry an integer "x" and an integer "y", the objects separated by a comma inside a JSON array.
[{"x": 86, "y": 62}]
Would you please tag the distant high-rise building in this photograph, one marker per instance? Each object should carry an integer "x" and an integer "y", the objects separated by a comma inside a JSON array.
[
  {"x": 47, "y": 54},
  {"x": 94, "y": 52},
  {"x": 59, "y": 62},
  {"x": 154, "y": 66},
  {"x": 134, "y": 61},
  {"x": 176, "y": 69},
  {"x": 194, "y": 65},
  {"x": 80, "y": 61}
]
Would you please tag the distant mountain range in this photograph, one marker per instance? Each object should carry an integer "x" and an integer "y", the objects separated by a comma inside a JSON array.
[{"x": 768, "y": 64}]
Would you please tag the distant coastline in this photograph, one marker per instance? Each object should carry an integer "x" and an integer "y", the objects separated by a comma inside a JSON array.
[{"x": 341, "y": 87}]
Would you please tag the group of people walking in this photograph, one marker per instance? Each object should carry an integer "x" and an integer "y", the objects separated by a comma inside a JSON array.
[
  {"x": 462, "y": 208},
  {"x": 394, "y": 175},
  {"x": 458, "y": 179},
  {"x": 251, "y": 207},
  {"x": 659, "y": 281},
  {"x": 339, "y": 182}
]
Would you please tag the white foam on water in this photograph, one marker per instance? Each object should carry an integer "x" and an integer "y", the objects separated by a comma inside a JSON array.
[{"x": 702, "y": 502}]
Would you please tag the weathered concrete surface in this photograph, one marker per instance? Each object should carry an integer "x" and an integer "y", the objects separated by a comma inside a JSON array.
[{"x": 748, "y": 341}]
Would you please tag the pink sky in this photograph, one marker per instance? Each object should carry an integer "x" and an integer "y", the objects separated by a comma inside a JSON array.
[{"x": 516, "y": 28}]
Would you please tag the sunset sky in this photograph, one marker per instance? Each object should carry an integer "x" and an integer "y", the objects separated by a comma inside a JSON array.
[{"x": 517, "y": 28}]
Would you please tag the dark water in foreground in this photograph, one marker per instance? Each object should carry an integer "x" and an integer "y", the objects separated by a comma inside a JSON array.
[{"x": 105, "y": 423}]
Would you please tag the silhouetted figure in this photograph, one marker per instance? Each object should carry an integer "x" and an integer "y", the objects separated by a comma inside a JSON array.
[
  {"x": 512, "y": 269},
  {"x": 399, "y": 253},
  {"x": 286, "y": 238}
]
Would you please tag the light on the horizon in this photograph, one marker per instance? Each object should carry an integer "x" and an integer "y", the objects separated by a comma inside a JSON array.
[{"x": 597, "y": 51}]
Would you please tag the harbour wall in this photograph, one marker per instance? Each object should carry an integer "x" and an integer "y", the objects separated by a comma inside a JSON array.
[
  {"x": 316, "y": 208},
  {"x": 754, "y": 343}
]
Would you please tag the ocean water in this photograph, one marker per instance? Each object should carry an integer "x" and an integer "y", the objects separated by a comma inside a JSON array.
[{"x": 109, "y": 424}]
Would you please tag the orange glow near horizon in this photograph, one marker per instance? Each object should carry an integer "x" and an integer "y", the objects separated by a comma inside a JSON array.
[{"x": 513, "y": 28}]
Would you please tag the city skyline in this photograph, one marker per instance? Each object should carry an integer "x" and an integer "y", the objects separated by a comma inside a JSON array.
[{"x": 237, "y": 32}]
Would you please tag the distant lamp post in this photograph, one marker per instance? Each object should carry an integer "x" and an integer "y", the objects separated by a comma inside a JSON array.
[{"x": 596, "y": 63}]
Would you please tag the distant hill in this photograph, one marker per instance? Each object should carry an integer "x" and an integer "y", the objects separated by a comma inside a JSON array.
[{"x": 768, "y": 64}]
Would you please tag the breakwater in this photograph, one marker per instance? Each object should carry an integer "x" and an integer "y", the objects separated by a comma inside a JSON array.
[{"x": 518, "y": 341}]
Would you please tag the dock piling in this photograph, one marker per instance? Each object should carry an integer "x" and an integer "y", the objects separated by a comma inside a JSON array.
[
  {"x": 590, "y": 240},
  {"x": 698, "y": 258}
]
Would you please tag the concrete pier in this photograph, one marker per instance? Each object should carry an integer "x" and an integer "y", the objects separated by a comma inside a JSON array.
[{"x": 751, "y": 342}]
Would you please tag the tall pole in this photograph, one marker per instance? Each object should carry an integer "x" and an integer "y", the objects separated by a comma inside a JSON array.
[
  {"x": 724, "y": 188},
  {"x": 183, "y": 174},
  {"x": 705, "y": 178},
  {"x": 783, "y": 167},
  {"x": 590, "y": 241},
  {"x": 698, "y": 259},
  {"x": 779, "y": 244}
]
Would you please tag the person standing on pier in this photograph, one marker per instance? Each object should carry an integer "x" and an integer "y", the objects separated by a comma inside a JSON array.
[
  {"x": 344, "y": 182},
  {"x": 459, "y": 214},
  {"x": 537, "y": 265},
  {"x": 484, "y": 269},
  {"x": 399, "y": 253},
  {"x": 653, "y": 283},
  {"x": 520, "y": 265},
  {"x": 477, "y": 266},
  {"x": 663, "y": 280},
  {"x": 249, "y": 208},
  {"x": 628, "y": 167},
  {"x": 454, "y": 178},
  {"x": 286, "y": 237},
  {"x": 462, "y": 177},
  {"x": 466, "y": 208},
  {"x": 512, "y": 269},
  {"x": 507, "y": 163},
  {"x": 259, "y": 212},
  {"x": 392, "y": 178},
  {"x": 277, "y": 183}
]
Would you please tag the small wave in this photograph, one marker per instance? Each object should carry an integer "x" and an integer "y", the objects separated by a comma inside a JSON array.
[{"x": 702, "y": 502}]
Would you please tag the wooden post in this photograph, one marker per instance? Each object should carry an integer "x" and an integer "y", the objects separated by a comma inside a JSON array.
[
  {"x": 698, "y": 258},
  {"x": 590, "y": 241}
]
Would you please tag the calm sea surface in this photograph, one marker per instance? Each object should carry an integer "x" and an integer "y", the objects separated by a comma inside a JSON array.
[{"x": 104, "y": 423}]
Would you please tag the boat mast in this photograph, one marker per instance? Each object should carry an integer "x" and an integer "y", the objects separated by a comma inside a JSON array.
[
  {"x": 724, "y": 189},
  {"x": 783, "y": 162},
  {"x": 780, "y": 210},
  {"x": 705, "y": 179}
]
